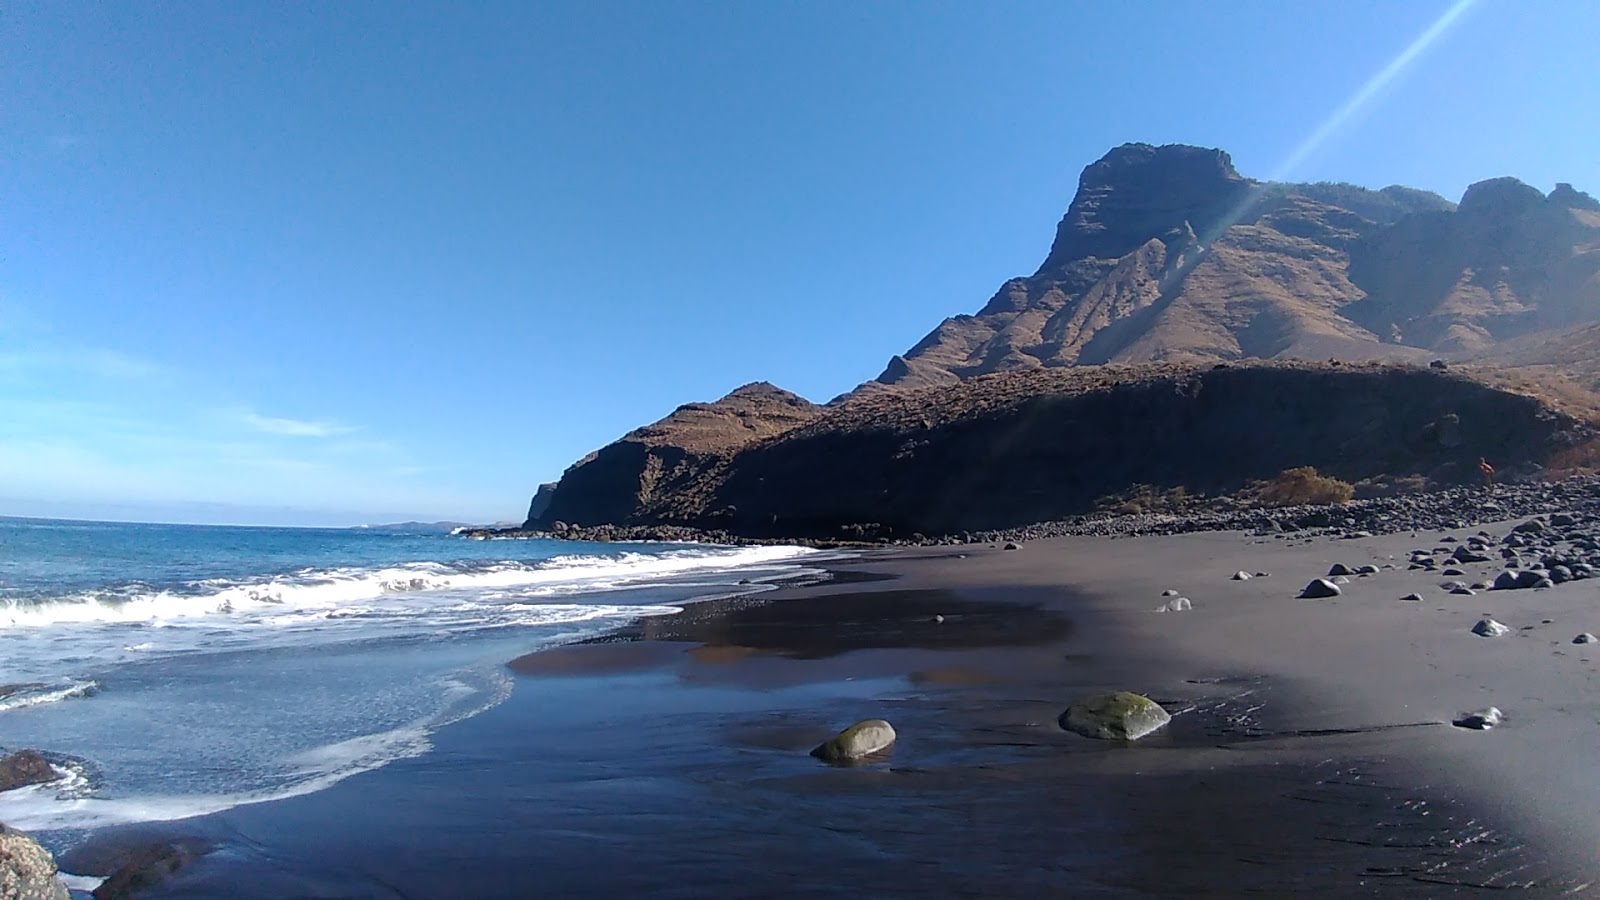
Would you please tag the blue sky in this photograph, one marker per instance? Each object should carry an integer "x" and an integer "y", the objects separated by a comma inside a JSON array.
[{"x": 341, "y": 262}]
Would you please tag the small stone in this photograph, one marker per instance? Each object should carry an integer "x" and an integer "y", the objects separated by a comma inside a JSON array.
[
  {"x": 1464, "y": 591},
  {"x": 1169, "y": 592},
  {"x": 1413, "y": 598},
  {"x": 1506, "y": 581},
  {"x": 1010, "y": 545},
  {"x": 1320, "y": 588},
  {"x": 1585, "y": 638},
  {"x": 1339, "y": 569},
  {"x": 1490, "y": 628},
  {"x": 1122, "y": 716},
  {"x": 1563, "y": 520},
  {"x": 1448, "y": 573},
  {"x": 1367, "y": 570},
  {"x": 1482, "y": 720},
  {"x": 1242, "y": 575},
  {"x": 938, "y": 620},
  {"x": 1179, "y": 605},
  {"x": 861, "y": 739}
]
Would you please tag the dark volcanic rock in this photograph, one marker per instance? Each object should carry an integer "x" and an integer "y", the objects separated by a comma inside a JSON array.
[
  {"x": 1009, "y": 450},
  {"x": 664, "y": 459},
  {"x": 23, "y": 768},
  {"x": 1320, "y": 588}
]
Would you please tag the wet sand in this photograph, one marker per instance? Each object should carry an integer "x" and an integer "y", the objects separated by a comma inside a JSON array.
[{"x": 1310, "y": 752}]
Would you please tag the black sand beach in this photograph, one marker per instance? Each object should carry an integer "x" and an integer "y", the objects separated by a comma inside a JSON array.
[{"x": 1310, "y": 754}]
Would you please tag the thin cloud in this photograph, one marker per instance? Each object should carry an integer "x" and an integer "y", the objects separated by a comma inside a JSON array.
[
  {"x": 293, "y": 427},
  {"x": 99, "y": 362}
]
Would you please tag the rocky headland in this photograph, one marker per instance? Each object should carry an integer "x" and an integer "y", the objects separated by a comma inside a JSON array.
[{"x": 1191, "y": 332}]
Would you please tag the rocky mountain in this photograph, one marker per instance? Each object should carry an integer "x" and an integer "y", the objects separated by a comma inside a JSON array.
[
  {"x": 1169, "y": 254},
  {"x": 665, "y": 458},
  {"x": 1135, "y": 356},
  {"x": 1013, "y": 448}
]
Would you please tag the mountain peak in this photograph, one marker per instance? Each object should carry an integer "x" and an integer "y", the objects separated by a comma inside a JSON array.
[
  {"x": 1498, "y": 197},
  {"x": 1140, "y": 191}
]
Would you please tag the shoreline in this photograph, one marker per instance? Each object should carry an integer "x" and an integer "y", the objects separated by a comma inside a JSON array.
[
  {"x": 1310, "y": 741},
  {"x": 1443, "y": 508}
]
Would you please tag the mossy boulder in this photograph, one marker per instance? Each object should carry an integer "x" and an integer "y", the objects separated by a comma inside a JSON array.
[
  {"x": 859, "y": 740},
  {"x": 1121, "y": 716}
]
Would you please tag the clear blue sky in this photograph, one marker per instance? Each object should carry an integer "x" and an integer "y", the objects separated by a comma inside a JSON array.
[{"x": 336, "y": 262}]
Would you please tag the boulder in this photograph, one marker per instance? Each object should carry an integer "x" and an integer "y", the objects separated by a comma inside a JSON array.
[
  {"x": 1482, "y": 720},
  {"x": 1563, "y": 520},
  {"x": 1507, "y": 581},
  {"x": 1490, "y": 628},
  {"x": 861, "y": 739},
  {"x": 1319, "y": 588},
  {"x": 27, "y": 870},
  {"x": 145, "y": 867},
  {"x": 1466, "y": 554},
  {"x": 1120, "y": 716},
  {"x": 23, "y": 768}
]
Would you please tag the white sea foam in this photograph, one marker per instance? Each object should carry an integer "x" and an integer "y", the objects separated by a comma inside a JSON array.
[
  {"x": 47, "y": 693},
  {"x": 340, "y": 591},
  {"x": 69, "y": 804}
]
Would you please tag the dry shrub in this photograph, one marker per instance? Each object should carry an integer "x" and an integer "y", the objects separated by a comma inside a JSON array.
[
  {"x": 1583, "y": 459},
  {"x": 1143, "y": 498},
  {"x": 1295, "y": 487}
]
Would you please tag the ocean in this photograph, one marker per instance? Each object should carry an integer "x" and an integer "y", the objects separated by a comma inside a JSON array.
[{"x": 174, "y": 670}]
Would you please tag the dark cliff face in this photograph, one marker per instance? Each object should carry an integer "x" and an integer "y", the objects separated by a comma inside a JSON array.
[
  {"x": 666, "y": 457},
  {"x": 1169, "y": 254},
  {"x": 1138, "y": 192},
  {"x": 1017, "y": 448}
]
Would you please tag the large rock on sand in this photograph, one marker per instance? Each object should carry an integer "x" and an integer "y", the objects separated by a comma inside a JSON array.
[
  {"x": 1319, "y": 588},
  {"x": 23, "y": 768},
  {"x": 859, "y": 740},
  {"x": 27, "y": 870},
  {"x": 1122, "y": 716}
]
